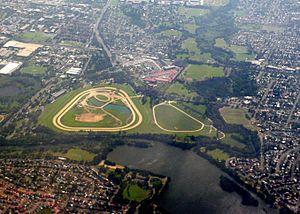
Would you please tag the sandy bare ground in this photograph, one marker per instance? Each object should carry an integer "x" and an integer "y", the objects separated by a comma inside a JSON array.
[
  {"x": 89, "y": 117},
  {"x": 26, "y": 49},
  {"x": 1, "y": 118}
]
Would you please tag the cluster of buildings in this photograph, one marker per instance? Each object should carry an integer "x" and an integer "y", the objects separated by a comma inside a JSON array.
[
  {"x": 150, "y": 69},
  {"x": 276, "y": 111},
  {"x": 123, "y": 37},
  {"x": 63, "y": 60},
  {"x": 9, "y": 49},
  {"x": 166, "y": 76},
  {"x": 28, "y": 186},
  {"x": 61, "y": 21},
  {"x": 271, "y": 29}
]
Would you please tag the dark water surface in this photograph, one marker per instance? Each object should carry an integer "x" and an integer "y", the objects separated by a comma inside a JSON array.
[{"x": 194, "y": 186}]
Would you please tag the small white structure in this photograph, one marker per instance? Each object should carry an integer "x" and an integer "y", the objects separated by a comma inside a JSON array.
[
  {"x": 10, "y": 68},
  {"x": 74, "y": 71}
]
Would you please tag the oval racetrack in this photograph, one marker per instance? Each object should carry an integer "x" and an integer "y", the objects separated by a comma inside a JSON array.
[{"x": 136, "y": 120}]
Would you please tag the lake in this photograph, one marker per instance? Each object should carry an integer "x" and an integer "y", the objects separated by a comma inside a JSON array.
[{"x": 194, "y": 185}]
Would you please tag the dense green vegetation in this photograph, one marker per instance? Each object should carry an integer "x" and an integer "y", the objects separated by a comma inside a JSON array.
[
  {"x": 15, "y": 91},
  {"x": 219, "y": 23}
]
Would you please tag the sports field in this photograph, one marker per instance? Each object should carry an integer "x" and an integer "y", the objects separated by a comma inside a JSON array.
[
  {"x": 170, "y": 118},
  {"x": 202, "y": 72},
  {"x": 33, "y": 69},
  {"x": 236, "y": 116},
  {"x": 105, "y": 109},
  {"x": 37, "y": 37},
  {"x": 117, "y": 108},
  {"x": 135, "y": 193}
]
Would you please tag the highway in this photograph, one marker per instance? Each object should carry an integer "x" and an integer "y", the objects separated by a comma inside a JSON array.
[{"x": 98, "y": 36}]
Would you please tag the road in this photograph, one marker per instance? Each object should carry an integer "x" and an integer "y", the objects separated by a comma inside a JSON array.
[
  {"x": 293, "y": 109},
  {"x": 97, "y": 33},
  {"x": 270, "y": 85}
]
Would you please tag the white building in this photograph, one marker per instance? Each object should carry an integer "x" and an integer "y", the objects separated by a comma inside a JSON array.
[
  {"x": 10, "y": 68},
  {"x": 74, "y": 71}
]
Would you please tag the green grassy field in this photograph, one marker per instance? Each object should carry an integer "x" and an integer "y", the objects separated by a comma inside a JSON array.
[
  {"x": 172, "y": 119},
  {"x": 114, "y": 2},
  {"x": 202, "y": 72},
  {"x": 76, "y": 154},
  {"x": 189, "y": 12},
  {"x": 216, "y": 2},
  {"x": 272, "y": 28},
  {"x": 170, "y": 33},
  {"x": 198, "y": 108},
  {"x": 72, "y": 43},
  {"x": 240, "y": 52},
  {"x": 117, "y": 109},
  {"x": 36, "y": 37},
  {"x": 236, "y": 116},
  {"x": 135, "y": 193},
  {"x": 180, "y": 90},
  {"x": 218, "y": 154},
  {"x": 232, "y": 142},
  {"x": 52, "y": 109},
  {"x": 147, "y": 126},
  {"x": 94, "y": 102},
  {"x": 204, "y": 57},
  {"x": 33, "y": 69},
  {"x": 190, "y": 28},
  {"x": 190, "y": 45}
]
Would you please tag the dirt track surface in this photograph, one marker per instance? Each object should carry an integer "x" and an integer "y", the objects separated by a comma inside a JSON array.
[
  {"x": 1, "y": 118},
  {"x": 113, "y": 94}
]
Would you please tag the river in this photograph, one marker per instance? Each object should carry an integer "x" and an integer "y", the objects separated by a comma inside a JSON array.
[{"x": 194, "y": 186}]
